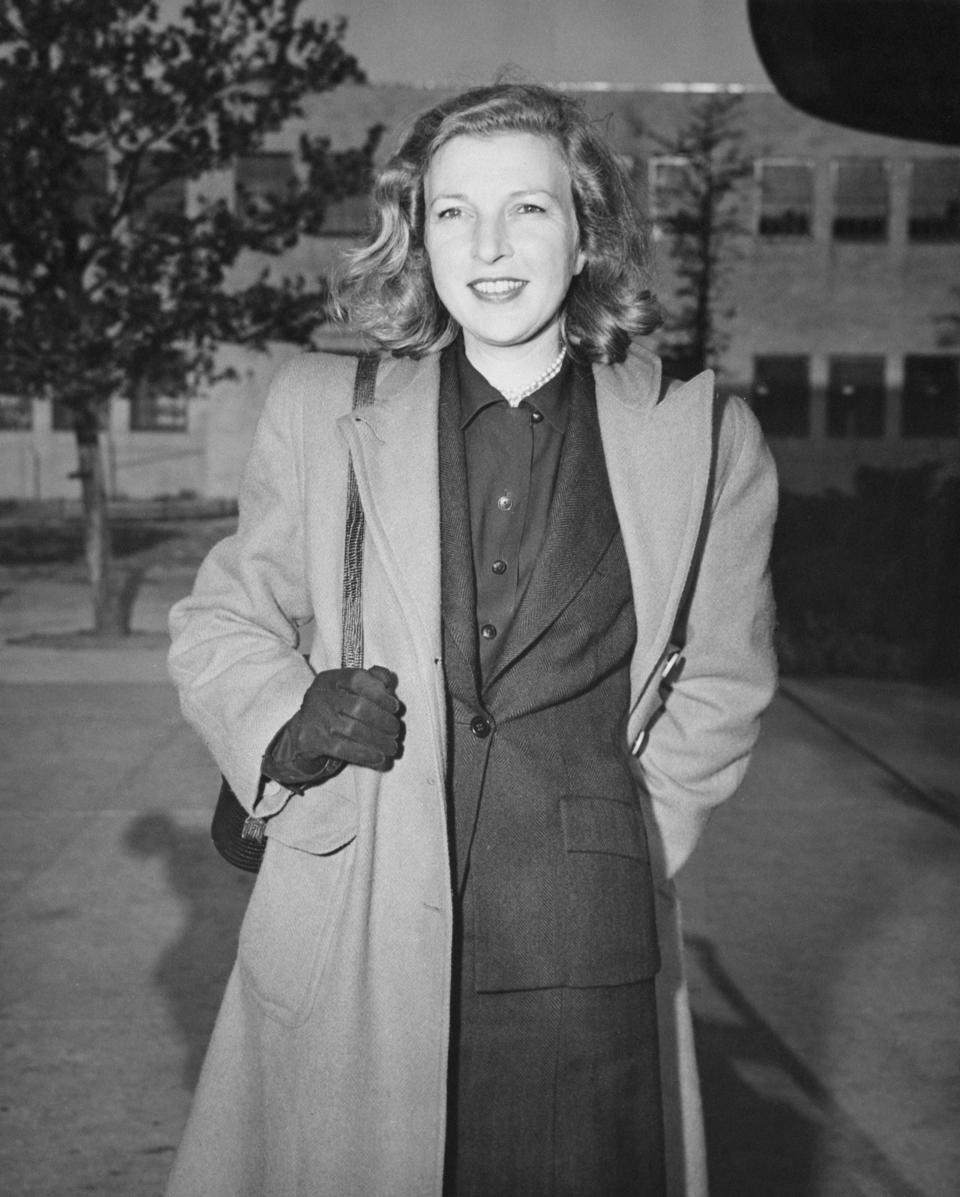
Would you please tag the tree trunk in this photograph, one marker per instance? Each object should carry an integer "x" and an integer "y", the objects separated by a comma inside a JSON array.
[{"x": 111, "y": 615}]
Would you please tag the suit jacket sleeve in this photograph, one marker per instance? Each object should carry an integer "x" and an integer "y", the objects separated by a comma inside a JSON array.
[
  {"x": 699, "y": 746},
  {"x": 235, "y": 640}
]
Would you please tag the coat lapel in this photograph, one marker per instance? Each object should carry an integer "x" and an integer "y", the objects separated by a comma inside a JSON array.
[
  {"x": 394, "y": 447},
  {"x": 580, "y": 526},
  {"x": 659, "y": 459}
]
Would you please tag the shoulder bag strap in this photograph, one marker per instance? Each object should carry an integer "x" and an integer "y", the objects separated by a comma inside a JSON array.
[
  {"x": 671, "y": 659},
  {"x": 351, "y": 643},
  {"x": 238, "y": 836}
]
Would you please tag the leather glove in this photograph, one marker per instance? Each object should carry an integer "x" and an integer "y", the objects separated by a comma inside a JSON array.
[{"x": 348, "y": 716}]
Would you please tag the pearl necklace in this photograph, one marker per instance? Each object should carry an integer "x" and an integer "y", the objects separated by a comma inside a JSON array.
[{"x": 516, "y": 396}]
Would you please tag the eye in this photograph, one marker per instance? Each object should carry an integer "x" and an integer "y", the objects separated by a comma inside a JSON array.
[
  {"x": 450, "y": 213},
  {"x": 528, "y": 206}
]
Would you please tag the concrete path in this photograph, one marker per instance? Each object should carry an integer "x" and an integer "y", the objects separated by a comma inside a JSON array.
[
  {"x": 822, "y": 925},
  {"x": 821, "y": 916}
]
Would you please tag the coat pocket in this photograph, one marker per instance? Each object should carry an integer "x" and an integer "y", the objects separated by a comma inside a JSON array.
[
  {"x": 319, "y": 821},
  {"x": 609, "y": 925},
  {"x": 289, "y": 927}
]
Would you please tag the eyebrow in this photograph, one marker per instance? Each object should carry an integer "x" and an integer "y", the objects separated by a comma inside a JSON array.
[{"x": 457, "y": 195}]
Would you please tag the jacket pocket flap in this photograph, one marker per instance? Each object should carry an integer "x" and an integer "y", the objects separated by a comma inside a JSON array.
[{"x": 599, "y": 825}]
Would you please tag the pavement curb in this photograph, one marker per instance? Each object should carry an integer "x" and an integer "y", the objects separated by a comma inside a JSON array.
[{"x": 921, "y": 793}]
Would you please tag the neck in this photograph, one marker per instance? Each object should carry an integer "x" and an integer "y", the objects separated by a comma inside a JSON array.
[{"x": 514, "y": 367}]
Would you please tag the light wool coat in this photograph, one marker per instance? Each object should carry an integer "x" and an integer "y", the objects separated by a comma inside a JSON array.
[{"x": 326, "y": 1073}]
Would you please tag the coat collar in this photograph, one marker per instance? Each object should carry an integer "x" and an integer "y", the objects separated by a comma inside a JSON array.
[
  {"x": 394, "y": 448},
  {"x": 658, "y": 449},
  {"x": 633, "y": 384}
]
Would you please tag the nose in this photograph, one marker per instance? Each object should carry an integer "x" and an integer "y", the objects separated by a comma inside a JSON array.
[{"x": 490, "y": 239}]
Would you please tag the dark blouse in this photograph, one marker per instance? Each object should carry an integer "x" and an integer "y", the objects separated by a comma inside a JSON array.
[{"x": 512, "y": 456}]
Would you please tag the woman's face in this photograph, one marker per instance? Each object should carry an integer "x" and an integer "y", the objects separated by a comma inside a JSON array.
[{"x": 501, "y": 236}]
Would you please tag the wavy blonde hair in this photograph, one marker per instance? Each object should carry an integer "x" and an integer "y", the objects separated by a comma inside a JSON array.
[{"x": 385, "y": 287}]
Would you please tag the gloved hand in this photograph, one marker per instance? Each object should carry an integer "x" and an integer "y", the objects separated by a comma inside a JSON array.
[{"x": 348, "y": 716}]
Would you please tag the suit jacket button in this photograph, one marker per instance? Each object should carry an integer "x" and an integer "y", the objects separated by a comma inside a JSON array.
[
  {"x": 488, "y": 632},
  {"x": 480, "y": 727}
]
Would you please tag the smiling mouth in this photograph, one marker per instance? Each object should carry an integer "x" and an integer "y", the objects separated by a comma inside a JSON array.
[{"x": 497, "y": 288}]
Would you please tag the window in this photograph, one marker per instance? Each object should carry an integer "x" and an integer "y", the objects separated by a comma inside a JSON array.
[
  {"x": 670, "y": 196},
  {"x": 93, "y": 186},
  {"x": 158, "y": 413},
  {"x": 935, "y": 200},
  {"x": 786, "y": 199},
  {"x": 61, "y": 417},
  {"x": 637, "y": 171},
  {"x": 62, "y": 420},
  {"x": 861, "y": 198},
  {"x": 16, "y": 413},
  {"x": 348, "y": 217},
  {"x": 264, "y": 177},
  {"x": 679, "y": 364},
  {"x": 162, "y": 192},
  {"x": 855, "y": 397},
  {"x": 781, "y": 394},
  {"x": 931, "y": 395}
]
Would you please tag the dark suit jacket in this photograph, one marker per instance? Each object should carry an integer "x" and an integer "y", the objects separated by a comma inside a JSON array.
[{"x": 546, "y": 826}]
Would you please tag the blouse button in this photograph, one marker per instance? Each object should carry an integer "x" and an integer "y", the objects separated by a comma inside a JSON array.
[
  {"x": 488, "y": 632},
  {"x": 505, "y": 503},
  {"x": 536, "y": 416},
  {"x": 499, "y": 567}
]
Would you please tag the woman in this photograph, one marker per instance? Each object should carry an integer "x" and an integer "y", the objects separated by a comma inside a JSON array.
[{"x": 446, "y": 975}]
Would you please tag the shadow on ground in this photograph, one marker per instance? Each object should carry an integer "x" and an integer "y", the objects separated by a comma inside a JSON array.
[
  {"x": 770, "y": 1123},
  {"x": 192, "y": 973}
]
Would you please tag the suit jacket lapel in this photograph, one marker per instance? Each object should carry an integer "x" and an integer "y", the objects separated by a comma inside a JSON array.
[
  {"x": 580, "y": 526},
  {"x": 458, "y": 584}
]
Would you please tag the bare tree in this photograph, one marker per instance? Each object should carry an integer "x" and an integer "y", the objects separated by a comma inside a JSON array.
[{"x": 699, "y": 211}]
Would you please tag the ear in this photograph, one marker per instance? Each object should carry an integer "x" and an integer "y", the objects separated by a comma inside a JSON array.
[{"x": 580, "y": 262}]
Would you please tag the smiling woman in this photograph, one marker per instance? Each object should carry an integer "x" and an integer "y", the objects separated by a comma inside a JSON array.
[
  {"x": 503, "y": 244},
  {"x": 391, "y": 288},
  {"x": 459, "y": 972}
]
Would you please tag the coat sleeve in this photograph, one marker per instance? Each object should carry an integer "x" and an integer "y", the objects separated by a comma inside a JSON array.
[
  {"x": 699, "y": 746},
  {"x": 235, "y": 640}
]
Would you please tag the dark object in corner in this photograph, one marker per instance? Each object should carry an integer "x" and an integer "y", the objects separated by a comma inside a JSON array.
[{"x": 883, "y": 66}]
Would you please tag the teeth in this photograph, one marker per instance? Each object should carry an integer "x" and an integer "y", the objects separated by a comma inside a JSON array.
[{"x": 499, "y": 286}]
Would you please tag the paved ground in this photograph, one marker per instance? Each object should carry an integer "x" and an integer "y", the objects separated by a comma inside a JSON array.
[
  {"x": 821, "y": 917},
  {"x": 822, "y": 921}
]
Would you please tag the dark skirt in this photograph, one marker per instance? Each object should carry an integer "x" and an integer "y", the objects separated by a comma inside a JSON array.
[{"x": 553, "y": 1092}]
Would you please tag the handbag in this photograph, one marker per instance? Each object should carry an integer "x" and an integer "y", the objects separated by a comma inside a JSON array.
[{"x": 237, "y": 835}]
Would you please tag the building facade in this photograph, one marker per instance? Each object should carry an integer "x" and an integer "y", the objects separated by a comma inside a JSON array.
[{"x": 843, "y": 300}]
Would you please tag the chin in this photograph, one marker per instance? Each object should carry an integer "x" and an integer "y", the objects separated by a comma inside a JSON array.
[{"x": 509, "y": 334}]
